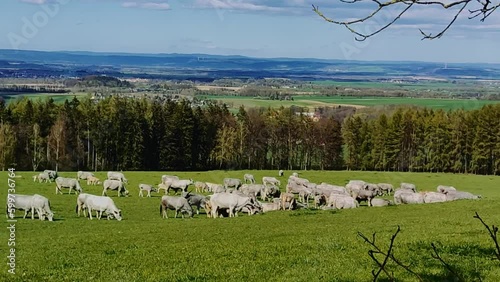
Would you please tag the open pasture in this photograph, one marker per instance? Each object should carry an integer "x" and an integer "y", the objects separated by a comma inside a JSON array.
[
  {"x": 303, "y": 245},
  {"x": 314, "y": 101}
]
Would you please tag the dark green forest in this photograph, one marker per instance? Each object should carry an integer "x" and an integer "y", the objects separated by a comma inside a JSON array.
[{"x": 139, "y": 134}]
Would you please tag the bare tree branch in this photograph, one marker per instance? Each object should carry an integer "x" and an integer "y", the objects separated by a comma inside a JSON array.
[
  {"x": 493, "y": 231},
  {"x": 438, "y": 257},
  {"x": 484, "y": 11},
  {"x": 387, "y": 255}
]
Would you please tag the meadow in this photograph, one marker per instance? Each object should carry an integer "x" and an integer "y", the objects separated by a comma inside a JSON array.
[
  {"x": 58, "y": 98},
  {"x": 302, "y": 245},
  {"x": 314, "y": 101}
]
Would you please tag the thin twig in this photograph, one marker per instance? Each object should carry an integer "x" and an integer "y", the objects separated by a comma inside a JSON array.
[
  {"x": 493, "y": 231},
  {"x": 445, "y": 264},
  {"x": 485, "y": 11}
]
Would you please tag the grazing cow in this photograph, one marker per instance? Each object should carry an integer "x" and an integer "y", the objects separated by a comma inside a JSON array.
[
  {"x": 83, "y": 175},
  {"x": 43, "y": 177},
  {"x": 102, "y": 204},
  {"x": 256, "y": 189},
  {"x": 303, "y": 192},
  {"x": 326, "y": 189},
  {"x": 165, "y": 178},
  {"x": 41, "y": 205},
  {"x": 35, "y": 177},
  {"x": 51, "y": 173},
  {"x": 270, "y": 191},
  {"x": 434, "y": 197},
  {"x": 71, "y": 183},
  {"x": 249, "y": 178},
  {"x": 179, "y": 204},
  {"x": 460, "y": 195},
  {"x": 409, "y": 186},
  {"x": 342, "y": 202},
  {"x": 367, "y": 194},
  {"x": 200, "y": 187},
  {"x": 92, "y": 180},
  {"x": 114, "y": 185},
  {"x": 446, "y": 189},
  {"x": 29, "y": 203},
  {"x": 379, "y": 202},
  {"x": 287, "y": 198},
  {"x": 355, "y": 185},
  {"x": 386, "y": 188},
  {"x": 233, "y": 202},
  {"x": 81, "y": 204},
  {"x": 211, "y": 186},
  {"x": 112, "y": 175},
  {"x": 270, "y": 180},
  {"x": 298, "y": 180},
  {"x": 295, "y": 174},
  {"x": 280, "y": 172},
  {"x": 232, "y": 183},
  {"x": 147, "y": 188},
  {"x": 178, "y": 185},
  {"x": 195, "y": 200},
  {"x": 162, "y": 186}
]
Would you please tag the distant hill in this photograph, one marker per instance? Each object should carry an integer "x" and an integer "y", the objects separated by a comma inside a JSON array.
[{"x": 203, "y": 67}]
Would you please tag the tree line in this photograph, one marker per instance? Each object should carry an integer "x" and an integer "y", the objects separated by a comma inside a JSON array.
[{"x": 139, "y": 134}]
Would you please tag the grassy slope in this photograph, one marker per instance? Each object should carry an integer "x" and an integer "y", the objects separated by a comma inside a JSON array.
[{"x": 278, "y": 246}]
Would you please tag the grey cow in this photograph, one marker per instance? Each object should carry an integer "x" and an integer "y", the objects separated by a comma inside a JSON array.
[
  {"x": 249, "y": 178},
  {"x": 232, "y": 183},
  {"x": 71, "y": 183},
  {"x": 460, "y": 195},
  {"x": 379, "y": 202},
  {"x": 112, "y": 175},
  {"x": 83, "y": 175},
  {"x": 196, "y": 200},
  {"x": 51, "y": 173},
  {"x": 445, "y": 189},
  {"x": 179, "y": 204},
  {"x": 386, "y": 188},
  {"x": 114, "y": 185}
]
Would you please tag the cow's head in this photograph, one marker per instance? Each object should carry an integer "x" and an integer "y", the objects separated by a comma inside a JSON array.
[{"x": 50, "y": 216}]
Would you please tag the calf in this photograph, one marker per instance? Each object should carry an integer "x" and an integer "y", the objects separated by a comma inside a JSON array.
[{"x": 147, "y": 188}]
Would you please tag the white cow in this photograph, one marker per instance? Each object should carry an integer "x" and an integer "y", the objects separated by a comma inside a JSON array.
[
  {"x": 446, "y": 189},
  {"x": 270, "y": 180},
  {"x": 165, "y": 178},
  {"x": 147, "y": 188},
  {"x": 113, "y": 175},
  {"x": 231, "y": 201},
  {"x": 71, "y": 183},
  {"x": 102, "y": 204},
  {"x": 249, "y": 178},
  {"x": 29, "y": 203},
  {"x": 177, "y": 185},
  {"x": 114, "y": 185},
  {"x": 434, "y": 197},
  {"x": 179, "y": 204},
  {"x": 83, "y": 175},
  {"x": 342, "y": 202}
]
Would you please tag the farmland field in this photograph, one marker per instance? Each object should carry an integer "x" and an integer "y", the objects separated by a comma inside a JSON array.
[
  {"x": 312, "y": 101},
  {"x": 304, "y": 245},
  {"x": 58, "y": 98}
]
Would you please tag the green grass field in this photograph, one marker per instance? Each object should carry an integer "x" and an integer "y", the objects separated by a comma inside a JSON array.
[
  {"x": 322, "y": 101},
  {"x": 58, "y": 98},
  {"x": 304, "y": 245}
]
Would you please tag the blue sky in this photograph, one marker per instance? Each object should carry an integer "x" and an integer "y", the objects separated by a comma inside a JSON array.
[{"x": 258, "y": 28}]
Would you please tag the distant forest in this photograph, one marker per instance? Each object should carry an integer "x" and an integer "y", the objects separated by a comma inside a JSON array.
[{"x": 137, "y": 134}]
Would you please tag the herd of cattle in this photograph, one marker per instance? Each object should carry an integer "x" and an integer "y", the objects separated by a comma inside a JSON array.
[{"x": 230, "y": 197}]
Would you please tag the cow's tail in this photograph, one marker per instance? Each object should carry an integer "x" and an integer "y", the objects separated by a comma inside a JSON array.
[
  {"x": 161, "y": 206},
  {"x": 76, "y": 209}
]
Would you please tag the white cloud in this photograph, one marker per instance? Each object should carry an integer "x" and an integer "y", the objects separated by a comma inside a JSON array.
[
  {"x": 147, "y": 5},
  {"x": 34, "y": 1}
]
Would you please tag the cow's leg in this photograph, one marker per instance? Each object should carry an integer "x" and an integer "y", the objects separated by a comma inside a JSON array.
[
  {"x": 175, "y": 213},
  {"x": 90, "y": 213},
  {"x": 214, "y": 211},
  {"x": 33, "y": 213},
  {"x": 149, "y": 193},
  {"x": 140, "y": 193}
]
